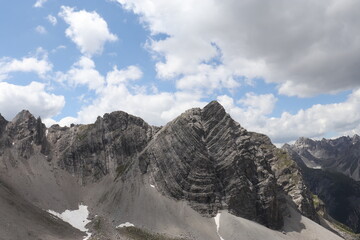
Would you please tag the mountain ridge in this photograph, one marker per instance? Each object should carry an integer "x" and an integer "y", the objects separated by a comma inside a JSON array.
[{"x": 203, "y": 159}]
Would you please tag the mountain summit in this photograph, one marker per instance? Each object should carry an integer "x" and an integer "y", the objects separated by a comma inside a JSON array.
[{"x": 201, "y": 176}]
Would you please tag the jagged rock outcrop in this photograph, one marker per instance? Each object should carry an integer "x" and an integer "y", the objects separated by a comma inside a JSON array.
[
  {"x": 23, "y": 134},
  {"x": 108, "y": 146},
  {"x": 207, "y": 158},
  {"x": 203, "y": 157}
]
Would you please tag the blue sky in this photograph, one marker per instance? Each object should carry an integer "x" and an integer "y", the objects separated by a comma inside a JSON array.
[{"x": 280, "y": 68}]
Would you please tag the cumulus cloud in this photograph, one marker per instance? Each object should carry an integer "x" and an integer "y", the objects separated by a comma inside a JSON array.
[
  {"x": 117, "y": 93},
  {"x": 39, "y": 3},
  {"x": 40, "y": 29},
  {"x": 317, "y": 121},
  {"x": 305, "y": 47},
  {"x": 83, "y": 72},
  {"x": 33, "y": 97},
  {"x": 88, "y": 30},
  {"x": 116, "y": 76},
  {"x": 52, "y": 19},
  {"x": 36, "y": 64},
  {"x": 251, "y": 111}
]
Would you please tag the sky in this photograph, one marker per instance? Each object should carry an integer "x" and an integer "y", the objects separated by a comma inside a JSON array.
[{"x": 287, "y": 69}]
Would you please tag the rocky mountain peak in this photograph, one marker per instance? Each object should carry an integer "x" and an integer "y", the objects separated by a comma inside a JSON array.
[
  {"x": 355, "y": 139},
  {"x": 203, "y": 157},
  {"x": 304, "y": 142},
  {"x": 23, "y": 125},
  {"x": 3, "y": 124},
  {"x": 126, "y": 171},
  {"x": 206, "y": 158},
  {"x": 23, "y": 116},
  {"x": 213, "y": 110}
]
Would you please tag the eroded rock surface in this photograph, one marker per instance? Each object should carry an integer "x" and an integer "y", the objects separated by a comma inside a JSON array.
[{"x": 208, "y": 159}]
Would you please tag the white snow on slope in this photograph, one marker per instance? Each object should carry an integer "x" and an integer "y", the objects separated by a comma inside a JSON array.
[
  {"x": 217, "y": 222},
  {"x": 152, "y": 186},
  {"x": 76, "y": 218},
  {"x": 127, "y": 224}
]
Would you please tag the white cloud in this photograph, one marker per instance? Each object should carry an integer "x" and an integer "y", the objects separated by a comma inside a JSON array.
[
  {"x": 52, "y": 19},
  {"x": 122, "y": 76},
  {"x": 83, "y": 72},
  {"x": 250, "y": 111},
  {"x": 41, "y": 29},
  {"x": 39, "y": 3},
  {"x": 305, "y": 56},
  {"x": 36, "y": 64},
  {"x": 33, "y": 97},
  {"x": 264, "y": 103},
  {"x": 317, "y": 121},
  {"x": 208, "y": 77},
  {"x": 60, "y": 47},
  {"x": 88, "y": 30},
  {"x": 118, "y": 93},
  {"x": 66, "y": 121},
  {"x": 156, "y": 109}
]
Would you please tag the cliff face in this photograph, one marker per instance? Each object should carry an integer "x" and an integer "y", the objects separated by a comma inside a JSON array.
[
  {"x": 208, "y": 159},
  {"x": 105, "y": 147},
  {"x": 203, "y": 157}
]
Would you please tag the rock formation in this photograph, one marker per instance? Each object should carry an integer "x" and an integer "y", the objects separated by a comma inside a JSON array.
[{"x": 202, "y": 157}]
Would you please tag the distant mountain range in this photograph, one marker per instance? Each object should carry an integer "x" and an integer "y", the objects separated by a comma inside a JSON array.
[
  {"x": 331, "y": 171},
  {"x": 202, "y": 176},
  {"x": 340, "y": 155}
]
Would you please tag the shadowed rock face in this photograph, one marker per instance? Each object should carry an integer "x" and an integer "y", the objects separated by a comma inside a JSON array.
[
  {"x": 340, "y": 193},
  {"x": 95, "y": 150},
  {"x": 203, "y": 157}
]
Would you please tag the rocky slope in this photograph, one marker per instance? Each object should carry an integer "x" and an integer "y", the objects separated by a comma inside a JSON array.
[
  {"x": 339, "y": 192},
  {"x": 341, "y": 155},
  {"x": 171, "y": 180}
]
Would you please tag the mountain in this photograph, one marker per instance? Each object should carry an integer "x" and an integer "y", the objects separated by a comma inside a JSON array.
[
  {"x": 330, "y": 170},
  {"x": 340, "y": 155},
  {"x": 202, "y": 176}
]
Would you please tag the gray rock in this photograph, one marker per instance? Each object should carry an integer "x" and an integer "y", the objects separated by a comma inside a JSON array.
[
  {"x": 341, "y": 155},
  {"x": 202, "y": 157},
  {"x": 208, "y": 159},
  {"x": 339, "y": 192}
]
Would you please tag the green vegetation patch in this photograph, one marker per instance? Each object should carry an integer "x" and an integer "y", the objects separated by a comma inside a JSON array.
[
  {"x": 97, "y": 224},
  {"x": 344, "y": 228},
  {"x": 284, "y": 160},
  {"x": 141, "y": 234}
]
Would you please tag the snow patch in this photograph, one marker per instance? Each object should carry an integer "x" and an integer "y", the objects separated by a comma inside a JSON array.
[
  {"x": 316, "y": 167},
  {"x": 217, "y": 222},
  {"x": 127, "y": 224},
  {"x": 76, "y": 218},
  {"x": 152, "y": 186}
]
